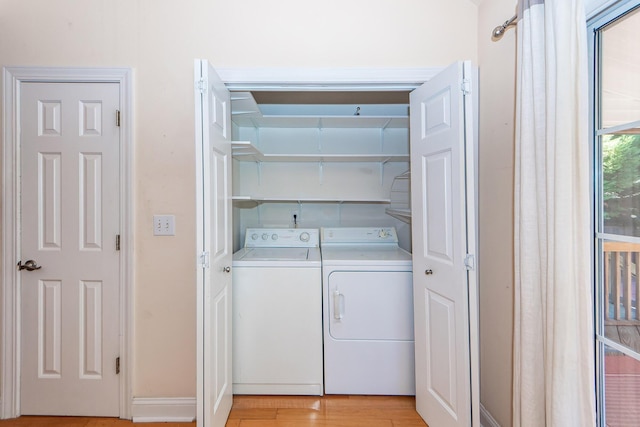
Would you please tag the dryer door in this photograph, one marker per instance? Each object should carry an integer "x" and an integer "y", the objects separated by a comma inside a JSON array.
[{"x": 370, "y": 305}]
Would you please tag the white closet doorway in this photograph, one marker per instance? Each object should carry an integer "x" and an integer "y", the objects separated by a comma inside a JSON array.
[{"x": 443, "y": 161}]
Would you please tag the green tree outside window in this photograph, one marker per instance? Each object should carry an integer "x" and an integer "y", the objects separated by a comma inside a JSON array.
[{"x": 621, "y": 183}]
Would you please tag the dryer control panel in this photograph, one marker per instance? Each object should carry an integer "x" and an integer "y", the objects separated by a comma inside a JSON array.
[
  {"x": 281, "y": 238},
  {"x": 359, "y": 235}
]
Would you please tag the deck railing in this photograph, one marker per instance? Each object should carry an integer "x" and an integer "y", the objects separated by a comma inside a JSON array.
[{"x": 621, "y": 282}]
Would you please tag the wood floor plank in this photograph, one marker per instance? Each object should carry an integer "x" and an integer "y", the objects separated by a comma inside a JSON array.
[
  {"x": 301, "y": 414},
  {"x": 30, "y": 421},
  {"x": 253, "y": 413},
  {"x": 409, "y": 423},
  {"x": 317, "y": 423},
  {"x": 377, "y": 401},
  {"x": 370, "y": 412}
]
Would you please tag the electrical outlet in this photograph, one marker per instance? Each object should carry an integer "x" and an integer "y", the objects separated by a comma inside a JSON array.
[{"x": 164, "y": 225}]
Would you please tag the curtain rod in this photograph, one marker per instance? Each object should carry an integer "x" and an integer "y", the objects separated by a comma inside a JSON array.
[{"x": 499, "y": 31}]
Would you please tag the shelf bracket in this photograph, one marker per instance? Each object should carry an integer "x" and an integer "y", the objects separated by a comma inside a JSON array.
[
  {"x": 321, "y": 172},
  {"x": 259, "y": 170}
]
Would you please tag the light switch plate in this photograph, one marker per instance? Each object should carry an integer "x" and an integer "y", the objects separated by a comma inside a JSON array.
[{"x": 164, "y": 225}]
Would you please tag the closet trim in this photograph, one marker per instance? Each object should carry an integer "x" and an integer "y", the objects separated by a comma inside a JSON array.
[{"x": 314, "y": 79}]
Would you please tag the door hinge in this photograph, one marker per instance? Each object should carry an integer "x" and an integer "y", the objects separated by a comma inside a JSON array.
[
  {"x": 117, "y": 242},
  {"x": 204, "y": 259},
  {"x": 465, "y": 86},
  {"x": 117, "y": 365},
  {"x": 202, "y": 85},
  {"x": 470, "y": 262},
  {"x": 118, "y": 118}
]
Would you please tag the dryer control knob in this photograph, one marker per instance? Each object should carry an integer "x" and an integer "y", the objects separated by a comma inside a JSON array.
[
  {"x": 274, "y": 236},
  {"x": 265, "y": 236},
  {"x": 304, "y": 236},
  {"x": 254, "y": 236}
]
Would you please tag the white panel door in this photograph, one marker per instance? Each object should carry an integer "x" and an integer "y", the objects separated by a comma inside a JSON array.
[
  {"x": 443, "y": 208},
  {"x": 70, "y": 217},
  {"x": 213, "y": 145}
]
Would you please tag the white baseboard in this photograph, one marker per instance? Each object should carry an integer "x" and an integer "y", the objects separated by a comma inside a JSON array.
[
  {"x": 163, "y": 409},
  {"x": 486, "y": 419}
]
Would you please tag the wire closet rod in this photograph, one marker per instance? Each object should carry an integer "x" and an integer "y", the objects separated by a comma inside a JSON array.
[{"x": 499, "y": 31}]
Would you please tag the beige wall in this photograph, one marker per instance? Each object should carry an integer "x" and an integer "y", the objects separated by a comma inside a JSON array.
[
  {"x": 160, "y": 39},
  {"x": 497, "y": 63},
  {"x": 401, "y": 33}
]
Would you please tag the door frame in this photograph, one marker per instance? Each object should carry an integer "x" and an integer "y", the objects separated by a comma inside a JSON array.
[
  {"x": 325, "y": 79},
  {"x": 366, "y": 79},
  {"x": 10, "y": 320}
]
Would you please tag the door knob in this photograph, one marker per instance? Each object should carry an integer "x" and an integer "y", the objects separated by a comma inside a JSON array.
[
  {"x": 30, "y": 265},
  {"x": 428, "y": 272},
  {"x": 227, "y": 269}
]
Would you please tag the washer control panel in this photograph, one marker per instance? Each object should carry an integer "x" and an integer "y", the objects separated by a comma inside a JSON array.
[{"x": 282, "y": 238}]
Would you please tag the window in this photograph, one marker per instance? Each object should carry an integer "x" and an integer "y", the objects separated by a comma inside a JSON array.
[{"x": 616, "y": 120}]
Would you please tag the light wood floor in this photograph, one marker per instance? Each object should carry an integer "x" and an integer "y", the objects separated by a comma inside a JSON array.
[{"x": 277, "y": 411}]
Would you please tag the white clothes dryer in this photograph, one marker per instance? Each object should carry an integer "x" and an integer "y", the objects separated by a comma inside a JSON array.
[
  {"x": 368, "y": 312},
  {"x": 277, "y": 313}
]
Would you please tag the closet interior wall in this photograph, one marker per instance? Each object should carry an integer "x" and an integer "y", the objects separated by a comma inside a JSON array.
[{"x": 338, "y": 175}]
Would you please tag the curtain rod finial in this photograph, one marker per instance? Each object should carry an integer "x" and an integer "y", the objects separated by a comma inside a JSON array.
[{"x": 499, "y": 31}]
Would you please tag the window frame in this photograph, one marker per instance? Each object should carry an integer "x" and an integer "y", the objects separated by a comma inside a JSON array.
[{"x": 595, "y": 26}]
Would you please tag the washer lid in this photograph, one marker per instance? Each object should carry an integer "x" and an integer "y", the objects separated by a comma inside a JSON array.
[{"x": 277, "y": 257}]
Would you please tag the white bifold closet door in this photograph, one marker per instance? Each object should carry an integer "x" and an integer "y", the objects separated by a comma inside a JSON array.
[
  {"x": 443, "y": 194},
  {"x": 213, "y": 195}
]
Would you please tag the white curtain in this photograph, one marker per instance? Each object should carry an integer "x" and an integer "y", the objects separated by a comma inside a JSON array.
[{"x": 554, "y": 381}]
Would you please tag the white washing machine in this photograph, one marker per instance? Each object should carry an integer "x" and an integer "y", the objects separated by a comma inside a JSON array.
[
  {"x": 277, "y": 313},
  {"x": 368, "y": 312}
]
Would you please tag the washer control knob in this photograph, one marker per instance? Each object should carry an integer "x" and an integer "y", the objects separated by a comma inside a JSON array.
[
  {"x": 274, "y": 236},
  {"x": 265, "y": 236},
  {"x": 304, "y": 236},
  {"x": 254, "y": 236},
  {"x": 383, "y": 233}
]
